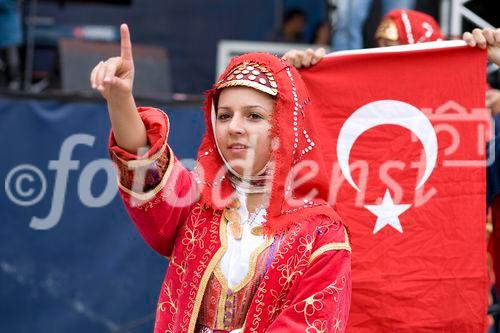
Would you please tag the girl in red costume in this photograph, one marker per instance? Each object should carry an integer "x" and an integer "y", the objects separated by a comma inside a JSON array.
[{"x": 252, "y": 244}]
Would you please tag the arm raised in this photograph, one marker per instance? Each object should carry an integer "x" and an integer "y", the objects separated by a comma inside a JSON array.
[{"x": 114, "y": 79}]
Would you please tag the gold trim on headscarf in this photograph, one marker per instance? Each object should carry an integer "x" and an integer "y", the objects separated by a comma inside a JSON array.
[{"x": 250, "y": 74}]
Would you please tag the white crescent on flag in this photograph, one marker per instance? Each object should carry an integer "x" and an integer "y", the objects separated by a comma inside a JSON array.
[{"x": 390, "y": 112}]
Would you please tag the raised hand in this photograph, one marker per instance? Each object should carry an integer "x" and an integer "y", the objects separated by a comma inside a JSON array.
[
  {"x": 485, "y": 38},
  {"x": 114, "y": 77},
  {"x": 300, "y": 58}
]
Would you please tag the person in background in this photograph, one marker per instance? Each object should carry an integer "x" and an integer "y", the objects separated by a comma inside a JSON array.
[
  {"x": 322, "y": 34},
  {"x": 294, "y": 24},
  {"x": 352, "y": 14},
  {"x": 10, "y": 39},
  {"x": 400, "y": 27}
]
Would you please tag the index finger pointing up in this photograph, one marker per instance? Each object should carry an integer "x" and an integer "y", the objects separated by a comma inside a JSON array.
[{"x": 126, "y": 45}]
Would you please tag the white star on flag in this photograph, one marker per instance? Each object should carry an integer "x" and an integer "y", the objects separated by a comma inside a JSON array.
[{"x": 387, "y": 213}]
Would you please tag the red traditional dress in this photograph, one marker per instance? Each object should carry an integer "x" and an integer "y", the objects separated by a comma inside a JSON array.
[{"x": 297, "y": 264}]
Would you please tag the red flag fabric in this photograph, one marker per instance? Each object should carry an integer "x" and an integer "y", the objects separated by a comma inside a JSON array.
[{"x": 403, "y": 130}]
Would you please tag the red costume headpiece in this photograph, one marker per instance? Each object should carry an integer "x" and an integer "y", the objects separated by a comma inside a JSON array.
[
  {"x": 411, "y": 27},
  {"x": 293, "y": 142}
]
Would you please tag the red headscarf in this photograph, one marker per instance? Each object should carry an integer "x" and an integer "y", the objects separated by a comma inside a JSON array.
[
  {"x": 414, "y": 27},
  {"x": 293, "y": 142}
]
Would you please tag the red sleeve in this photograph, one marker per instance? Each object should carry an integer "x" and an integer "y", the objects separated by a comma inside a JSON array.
[
  {"x": 158, "y": 192},
  {"x": 143, "y": 173},
  {"x": 157, "y": 128},
  {"x": 160, "y": 213},
  {"x": 320, "y": 301}
]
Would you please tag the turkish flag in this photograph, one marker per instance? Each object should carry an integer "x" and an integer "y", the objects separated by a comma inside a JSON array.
[{"x": 403, "y": 130}]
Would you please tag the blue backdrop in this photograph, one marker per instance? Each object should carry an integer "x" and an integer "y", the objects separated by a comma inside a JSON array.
[{"x": 91, "y": 271}]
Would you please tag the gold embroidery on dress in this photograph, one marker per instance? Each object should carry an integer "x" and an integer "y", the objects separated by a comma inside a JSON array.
[
  {"x": 161, "y": 307},
  {"x": 332, "y": 246},
  {"x": 251, "y": 271},
  {"x": 207, "y": 273},
  {"x": 149, "y": 195},
  {"x": 180, "y": 269},
  {"x": 293, "y": 268},
  {"x": 143, "y": 162},
  {"x": 193, "y": 236},
  {"x": 168, "y": 292},
  {"x": 277, "y": 305},
  {"x": 315, "y": 303},
  {"x": 163, "y": 197},
  {"x": 223, "y": 281},
  {"x": 223, "y": 297}
]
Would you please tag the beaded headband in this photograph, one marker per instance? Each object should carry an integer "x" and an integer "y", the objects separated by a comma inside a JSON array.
[{"x": 250, "y": 74}]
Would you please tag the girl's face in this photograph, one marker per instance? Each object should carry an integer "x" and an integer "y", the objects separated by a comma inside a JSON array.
[{"x": 243, "y": 128}]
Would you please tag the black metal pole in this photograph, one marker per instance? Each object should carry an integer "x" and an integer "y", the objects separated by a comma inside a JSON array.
[{"x": 30, "y": 44}]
